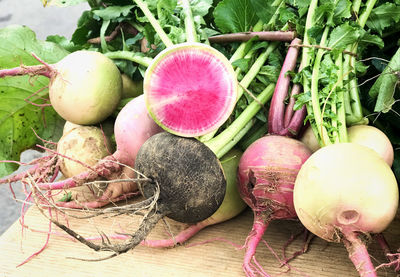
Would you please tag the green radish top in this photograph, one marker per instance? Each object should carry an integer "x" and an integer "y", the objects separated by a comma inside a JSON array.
[{"x": 190, "y": 89}]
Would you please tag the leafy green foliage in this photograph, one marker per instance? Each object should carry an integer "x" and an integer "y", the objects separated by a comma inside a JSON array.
[
  {"x": 19, "y": 118},
  {"x": 384, "y": 16},
  {"x": 232, "y": 16},
  {"x": 384, "y": 88},
  {"x": 113, "y": 12}
]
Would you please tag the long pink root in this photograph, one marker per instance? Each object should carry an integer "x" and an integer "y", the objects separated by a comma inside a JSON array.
[
  {"x": 253, "y": 240},
  {"x": 182, "y": 237},
  {"x": 358, "y": 254},
  {"x": 103, "y": 169}
]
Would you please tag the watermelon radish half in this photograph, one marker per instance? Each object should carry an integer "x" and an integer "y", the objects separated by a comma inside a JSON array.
[{"x": 190, "y": 89}]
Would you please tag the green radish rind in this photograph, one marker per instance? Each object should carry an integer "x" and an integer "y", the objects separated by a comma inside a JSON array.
[{"x": 227, "y": 75}]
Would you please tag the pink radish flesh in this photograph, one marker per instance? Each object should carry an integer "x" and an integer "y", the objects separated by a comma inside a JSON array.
[{"x": 190, "y": 89}]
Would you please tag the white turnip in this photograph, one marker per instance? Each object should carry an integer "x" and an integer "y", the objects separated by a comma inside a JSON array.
[
  {"x": 85, "y": 86},
  {"x": 343, "y": 192},
  {"x": 366, "y": 135},
  {"x": 373, "y": 138},
  {"x": 80, "y": 148}
]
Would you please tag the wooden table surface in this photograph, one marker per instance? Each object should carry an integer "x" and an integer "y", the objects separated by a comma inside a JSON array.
[{"x": 214, "y": 258}]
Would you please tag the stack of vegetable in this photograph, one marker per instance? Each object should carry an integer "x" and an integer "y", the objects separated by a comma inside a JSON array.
[{"x": 161, "y": 98}]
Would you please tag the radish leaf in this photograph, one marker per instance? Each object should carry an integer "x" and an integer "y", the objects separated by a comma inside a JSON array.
[
  {"x": 18, "y": 118},
  {"x": 384, "y": 16},
  {"x": 384, "y": 87},
  {"x": 232, "y": 16},
  {"x": 113, "y": 12}
]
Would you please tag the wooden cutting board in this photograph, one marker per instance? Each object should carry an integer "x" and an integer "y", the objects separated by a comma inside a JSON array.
[{"x": 210, "y": 253}]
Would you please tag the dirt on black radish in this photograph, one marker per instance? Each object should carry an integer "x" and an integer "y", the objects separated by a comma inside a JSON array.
[{"x": 231, "y": 206}]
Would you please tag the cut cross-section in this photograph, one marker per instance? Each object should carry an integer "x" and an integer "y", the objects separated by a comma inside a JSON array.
[{"x": 190, "y": 89}]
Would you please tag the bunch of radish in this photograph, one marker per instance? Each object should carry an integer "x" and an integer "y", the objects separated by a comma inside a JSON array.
[
  {"x": 181, "y": 175},
  {"x": 346, "y": 190},
  {"x": 176, "y": 139}
]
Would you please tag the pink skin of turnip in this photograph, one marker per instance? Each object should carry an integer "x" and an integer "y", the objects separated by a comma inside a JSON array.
[
  {"x": 267, "y": 173},
  {"x": 132, "y": 128},
  {"x": 343, "y": 192},
  {"x": 269, "y": 166}
]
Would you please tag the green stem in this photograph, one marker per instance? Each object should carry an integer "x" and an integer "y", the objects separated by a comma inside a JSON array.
[
  {"x": 258, "y": 27},
  {"x": 341, "y": 111},
  {"x": 256, "y": 67},
  {"x": 307, "y": 52},
  {"x": 364, "y": 16},
  {"x": 236, "y": 139},
  {"x": 247, "y": 79},
  {"x": 130, "y": 56},
  {"x": 251, "y": 74},
  {"x": 245, "y": 46},
  {"x": 318, "y": 116},
  {"x": 190, "y": 28},
  {"x": 258, "y": 130},
  {"x": 306, "y": 59},
  {"x": 103, "y": 30},
  {"x": 354, "y": 107},
  {"x": 356, "y": 6},
  {"x": 218, "y": 143},
  {"x": 154, "y": 22}
]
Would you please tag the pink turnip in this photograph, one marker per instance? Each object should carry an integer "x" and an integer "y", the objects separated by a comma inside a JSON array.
[
  {"x": 267, "y": 173},
  {"x": 268, "y": 168}
]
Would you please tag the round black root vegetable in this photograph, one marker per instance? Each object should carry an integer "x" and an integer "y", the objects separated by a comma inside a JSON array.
[
  {"x": 191, "y": 178},
  {"x": 187, "y": 184}
]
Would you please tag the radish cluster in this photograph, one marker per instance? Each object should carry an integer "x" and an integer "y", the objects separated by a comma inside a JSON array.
[{"x": 174, "y": 145}]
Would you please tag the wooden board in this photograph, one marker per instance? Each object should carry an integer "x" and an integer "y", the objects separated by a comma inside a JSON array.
[{"x": 214, "y": 258}]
